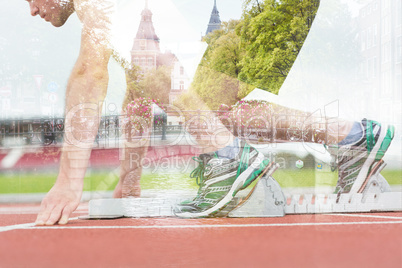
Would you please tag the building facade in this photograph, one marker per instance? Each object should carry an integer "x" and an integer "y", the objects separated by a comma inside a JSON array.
[
  {"x": 380, "y": 39},
  {"x": 147, "y": 55}
]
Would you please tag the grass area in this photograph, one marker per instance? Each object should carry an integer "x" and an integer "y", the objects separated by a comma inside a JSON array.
[
  {"x": 106, "y": 180},
  {"x": 305, "y": 178},
  {"x": 94, "y": 181}
]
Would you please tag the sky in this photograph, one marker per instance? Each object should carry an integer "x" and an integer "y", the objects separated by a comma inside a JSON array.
[
  {"x": 179, "y": 24},
  {"x": 35, "y": 48}
]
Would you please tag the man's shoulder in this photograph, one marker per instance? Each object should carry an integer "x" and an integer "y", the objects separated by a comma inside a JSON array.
[{"x": 95, "y": 11}]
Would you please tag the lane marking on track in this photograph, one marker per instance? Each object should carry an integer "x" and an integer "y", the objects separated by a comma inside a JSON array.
[
  {"x": 56, "y": 227},
  {"x": 24, "y": 226},
  {"x": 12, "y": 158},
  {"x": 30, "y": 212},
  {"x": 17, "y": 210},
  {"x": 368, "y": 216}
]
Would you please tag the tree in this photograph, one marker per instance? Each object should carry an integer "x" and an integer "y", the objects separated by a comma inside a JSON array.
[
  {"x": 133, "y": 75},
  {"x": 154, "y": 84},
  {"x": 223, "y": 53},
  {"x": 272, "y": 34},
  {"x": 215, "y": 88},
  {"x": 258, "y": 50},
  {"x": 216, "y": 80}
]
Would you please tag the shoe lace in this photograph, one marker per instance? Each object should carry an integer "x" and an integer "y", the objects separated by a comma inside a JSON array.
[
  {"x": 333, "y": 151},
  {"x": 370, "y": 136},
  {"x": 244, "y": 160},
  {"x": 198, "y": 172}
]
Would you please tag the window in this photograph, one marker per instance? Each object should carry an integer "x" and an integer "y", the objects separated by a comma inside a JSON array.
[
  {"x": 150, "y": 61},
  {"x": 386, "y": 52},
  {"x": 369, "y": 37},
  {"x": 386, "y": 25},
  {"x": 143, "y": 44},
  {"x": 363, "y": 40},
  {"x": 399, "y": 49},
  {"x": 385, "y": 6},
  {"x": 143, "y": 62},
  {"x": 369, "y": 68},
  {"x": 398, "y": 87},
  {"x": 181, "y": 85},
  {"x": 398, "y": 12},
  {"x": 136, "y": 61},
  {"x": 386, "y": 82},
  {"x": 181, "y": 70}
]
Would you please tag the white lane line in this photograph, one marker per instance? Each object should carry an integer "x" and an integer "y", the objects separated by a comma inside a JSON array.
[
  {"x": 24, "y": 226},
  {"x": 16, "y": 227},
  {"x": 368, "y": 216},
  {"x": 35, "y": 212},
  {"x": 59, "y": 227},
  {"x": 30, "y": 212},
  {"x": 12, "y": 158}
]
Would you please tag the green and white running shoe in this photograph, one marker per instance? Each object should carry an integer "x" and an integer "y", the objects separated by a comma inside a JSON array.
[
  {"x": 358, "y": 161},
  {"x": 220, "y": 179}
]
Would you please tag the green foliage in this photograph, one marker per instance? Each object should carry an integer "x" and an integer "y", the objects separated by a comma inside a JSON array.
[
  {"x": 133, "y": 75},
  {"x": 223, "y": 53},
  {"x": 215, "y": 81},
  {"x": 272, "y": 36},
  {"x": 258, "y": 50},
  {"x": 215, "y": 88},
  {"x": 154, "y": 84}
]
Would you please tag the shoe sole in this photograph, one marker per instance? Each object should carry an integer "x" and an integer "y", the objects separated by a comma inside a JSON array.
[
  {"x": 375, "y": 155},
  {"x": 236, "y": 186},
  {"x": 232, "y": 205}
]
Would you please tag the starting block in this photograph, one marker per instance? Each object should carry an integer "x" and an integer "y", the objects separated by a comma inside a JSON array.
[
  {"x": 376, "y": 197},
  {"x": 266, "y": 199}
]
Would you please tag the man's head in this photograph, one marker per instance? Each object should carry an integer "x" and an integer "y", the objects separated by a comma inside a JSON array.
[{"x": 54, "y": 11}]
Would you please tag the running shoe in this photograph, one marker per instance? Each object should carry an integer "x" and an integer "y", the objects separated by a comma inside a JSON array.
[
  {"x": 220, "y": 179},
  {"x": 356, "y": 162}
]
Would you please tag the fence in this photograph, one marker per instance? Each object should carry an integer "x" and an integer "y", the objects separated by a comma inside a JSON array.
[{"x": 277, "y": 127}]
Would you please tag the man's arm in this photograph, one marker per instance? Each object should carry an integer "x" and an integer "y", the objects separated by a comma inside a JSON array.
[{"x": 86, "y": 90}]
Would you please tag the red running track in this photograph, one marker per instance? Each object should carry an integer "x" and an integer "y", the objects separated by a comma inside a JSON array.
[{"x": 342, "y": 240}]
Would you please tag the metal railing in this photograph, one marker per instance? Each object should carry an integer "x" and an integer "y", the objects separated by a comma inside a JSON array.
[{"x": 276, "y": 128}]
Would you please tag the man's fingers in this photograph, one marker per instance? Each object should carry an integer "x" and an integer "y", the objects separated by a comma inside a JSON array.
[
  {"x": 57, "y": 206},
  {"x": 66, "y": 214},
  {"x": 54, "y": 215},
  {"x": 43, "y": 215}
]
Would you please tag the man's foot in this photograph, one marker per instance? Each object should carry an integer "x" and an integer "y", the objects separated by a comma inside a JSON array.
[
  {"x": 357, "y": 161},
  {"x": 220, "y": 179}
]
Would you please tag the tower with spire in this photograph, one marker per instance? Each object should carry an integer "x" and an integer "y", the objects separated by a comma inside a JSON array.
[
  {"x": 145, "y": 50},
  {"x": 214, "y": 21},
  {"x": 146, "y": 54}
]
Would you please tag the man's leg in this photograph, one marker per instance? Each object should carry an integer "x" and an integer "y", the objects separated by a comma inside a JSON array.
[
  {"x": 360, "y": 145},
  {"x": 360, "y": 154},
  {"x": 133, "y": 151}
]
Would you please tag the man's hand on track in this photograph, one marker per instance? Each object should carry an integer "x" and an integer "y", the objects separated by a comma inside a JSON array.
[{"x": 59, "y": 203}]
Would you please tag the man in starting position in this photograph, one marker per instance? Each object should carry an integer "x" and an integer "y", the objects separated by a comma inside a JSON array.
[{"x": 358, "y": 146}]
